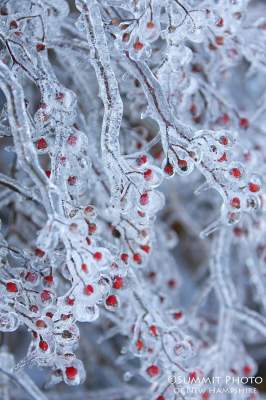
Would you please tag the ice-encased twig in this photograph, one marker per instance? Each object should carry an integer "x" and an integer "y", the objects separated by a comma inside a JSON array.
[
  {"x": 109, "y": 91},
  {"x": 21, "y": 132}
]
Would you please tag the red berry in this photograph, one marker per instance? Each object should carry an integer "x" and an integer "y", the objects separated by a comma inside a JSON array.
[
  {"x": 219, "y": 40},
  {"x": 49, "y": 279},
  {"x": 144, "y": 199},
  {"x": 238, "y": 231},
  {"x": 205, "y": 396},
  {"x": 152, "y": 275},
  {"x": 124, "y": 257},
  {"x": 13, "y": 24},
  {"x": 88, "y": 290},
  {"x": 262, "y": 26},
  {"x": 192, "y": 376},
  {"x": 48, "y": 173},
  {"x": 72, "y": 180},
  {"x": 39, "y": 252},
  {"x": 65, "y": 317},
  {"x": 70, "y": 301},
  {"x": 41, "y": 144},
  {"x": 197, "y": 68},
  {"x": 223, "y": 140},
  {"x": 235, "y": 202},
  {"x": 92, "y": 228},
  {"x": 147, "y": 174},
  {"x": 142, "y": 160},
  {"x": 125, "y": 37},
  {"x": 197, "y": 119},
  {"x": 153, "y": 370},
  {"x": 224, "y": 119},
  {"x": 97, "y": 256},
  {"x": 84, "y": 267},
  {"x": 72, "y": 140},
  {"x": 247, "y": 369},
  {"x": 118, "y": 282},
  {"x": 139, "y": 344},
  {"x": 34, "y": 308},
  {"x": 146, "y": 248},
  {"x": 138, "y": 45},
  {"x": 247, "y": 155},
  {"x": 253, "y": 187},
  {"x": 153, "y": 330},
  {"x": 31, "y": 277},
  {"x": 168, "y": 169},
  {"x": 11, "y": 287},
  {"x": 40, "y": 47},
  {"x": 71, "y": 373},
  {"x": 112, "y": 300},
  {"x": 88, "y": 210},
  {"x": 244, "y": 123},
  {"x": 172, "y": 283},
  {"x": 177, "y": 315},
  {"x": 193, "y": 108},
  {"x": 62, "y": 160},
  {"x": 223, "y": 158},
  {"x": 236, "y": 173},
  {"x": 137, "y": 258},
  {"x": 114, "y": 265},
  {"x": 43, "y": 345},
  {"x": 220, "y": 22},
  {"x": 59, "y": 96},
  {"x": 45, "y": 295},
  {"x": 40, "y": 323},
  {"x": 182, "y": 164},
  {"x": 150, "y": 25}
]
